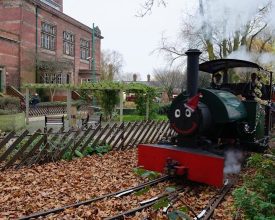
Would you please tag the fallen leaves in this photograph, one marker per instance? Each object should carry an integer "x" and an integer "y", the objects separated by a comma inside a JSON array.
[{"x": 28, "y": 190}]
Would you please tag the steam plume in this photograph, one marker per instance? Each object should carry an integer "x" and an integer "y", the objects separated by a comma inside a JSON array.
[{"x": 233, "y": 161}]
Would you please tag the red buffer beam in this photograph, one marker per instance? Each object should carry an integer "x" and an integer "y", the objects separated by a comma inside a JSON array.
[{"x": 201, "y": 166}]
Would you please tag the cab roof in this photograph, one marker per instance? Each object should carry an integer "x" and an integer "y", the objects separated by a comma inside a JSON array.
[{"x": 215, "y": 66}]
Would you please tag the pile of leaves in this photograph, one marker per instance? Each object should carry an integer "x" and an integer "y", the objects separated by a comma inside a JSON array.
[{"x": 53, "y": 185}]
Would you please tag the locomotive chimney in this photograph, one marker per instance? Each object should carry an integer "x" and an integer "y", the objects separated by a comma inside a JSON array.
[{"x": 192, "y": 71}]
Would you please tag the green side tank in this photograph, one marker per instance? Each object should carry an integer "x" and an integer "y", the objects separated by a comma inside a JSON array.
[
  {"x": 224, "y": 106},
  {"x": 246, "y": 118}
]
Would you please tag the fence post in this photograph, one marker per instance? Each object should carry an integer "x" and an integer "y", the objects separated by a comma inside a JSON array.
[
  {"x": 120, "y": 106},
  {"x": 123, "y": 135},
  {"x": 27, "y": 105},
  {"x": 69, "y": 105}
]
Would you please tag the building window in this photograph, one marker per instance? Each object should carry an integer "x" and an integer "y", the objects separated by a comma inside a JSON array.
[
  {"x": 84, "y": 49},
  {"x": 68, "y": 43},
  {"x": 60, "y": 78},
  {"x": 48, "y": 36}
]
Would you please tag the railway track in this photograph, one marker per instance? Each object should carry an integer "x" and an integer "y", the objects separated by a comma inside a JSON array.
[
  {"x": 87, "y": 202},
  {"x": 172, "y": 197},
  {"x": 208, "y": 211},
  {"x": 205, "y": 214},
  {"x": 146, "y": 204}
]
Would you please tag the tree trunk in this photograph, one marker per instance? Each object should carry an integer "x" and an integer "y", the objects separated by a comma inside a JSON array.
[
  {"x": 52, "y": 91},
  {"x": 224, "y": 48},
  {"x": 210, "y": 50},
  {"x": 236, "y": 41}
]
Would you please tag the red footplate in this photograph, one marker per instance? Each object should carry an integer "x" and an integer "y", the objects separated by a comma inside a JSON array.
[{"x": 202, "y": 166}]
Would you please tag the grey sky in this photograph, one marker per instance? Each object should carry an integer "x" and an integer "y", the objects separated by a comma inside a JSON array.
[{"x": 135, "y": 38}]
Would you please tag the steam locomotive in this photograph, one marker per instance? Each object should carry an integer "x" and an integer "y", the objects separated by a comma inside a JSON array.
[{"x": 206, "y": 121}]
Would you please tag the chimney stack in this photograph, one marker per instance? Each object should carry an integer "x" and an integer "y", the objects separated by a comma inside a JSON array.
[
  {"x": 148, "y": 78},
  {"x": 192, "y": 71}
]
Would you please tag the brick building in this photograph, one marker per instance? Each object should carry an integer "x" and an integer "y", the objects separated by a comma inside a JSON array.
[{"x": 33, "y": 31}]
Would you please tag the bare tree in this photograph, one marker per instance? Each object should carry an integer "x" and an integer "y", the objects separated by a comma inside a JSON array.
[
  {"x": 169, "y": 80},
  {"x": 256, "y": 35},
  {"x": 111, "y": 65},
  {"x": 148, "y": 5}
]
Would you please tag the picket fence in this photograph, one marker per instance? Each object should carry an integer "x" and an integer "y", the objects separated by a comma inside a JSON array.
[{"x": 26, "y": 149}]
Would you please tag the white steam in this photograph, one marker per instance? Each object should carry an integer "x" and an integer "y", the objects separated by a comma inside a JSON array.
[
  {"x": 242, "y": 54},
  {"x": 233, "y": 161},
  {"x": 231, "y": 16},
  {"x": 262, "y": 58}
]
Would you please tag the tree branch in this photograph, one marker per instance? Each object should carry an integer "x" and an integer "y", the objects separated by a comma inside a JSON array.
[
  {"x": 148, "y": 5},
  {"x": 253, "y": 36}
]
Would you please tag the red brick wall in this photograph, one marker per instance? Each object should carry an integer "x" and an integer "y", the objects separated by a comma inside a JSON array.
[
  {"x": 9, "y": 40},
  {"x": 9, "y": 51},
  {"x": 19, "y": 19}
]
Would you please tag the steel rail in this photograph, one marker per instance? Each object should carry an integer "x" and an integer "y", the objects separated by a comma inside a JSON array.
[
  {"x": 208, "y": 211},
  {"x": 148, "y": 203},
  {"x": 86, "y": 202}
]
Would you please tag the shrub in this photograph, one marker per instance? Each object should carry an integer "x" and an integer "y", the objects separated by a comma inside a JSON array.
[
  {"x": 9, "y": 103},
  {"x": 256, "y": 198},
  {"x": 163, "y": 109},
  {"x": 108, "y": 99},
  {"x": 141, "y": 101},
  {"x": 53, "y": 104}
]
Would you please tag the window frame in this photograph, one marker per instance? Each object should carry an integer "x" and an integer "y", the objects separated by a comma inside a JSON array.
[
  {"x": 84, "y": 48},
  {"x": 68, "y": 44},
  {"x": 58, "y": 78},
  {"x": 48, "y": 36}
]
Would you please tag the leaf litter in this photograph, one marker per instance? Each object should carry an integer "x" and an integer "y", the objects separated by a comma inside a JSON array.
[{"x": 52, "y": 185}]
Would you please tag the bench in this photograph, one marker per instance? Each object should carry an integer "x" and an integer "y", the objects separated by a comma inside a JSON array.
[
  {"x": 54, "y": 120},
  {"x": 93, "y": 120}
]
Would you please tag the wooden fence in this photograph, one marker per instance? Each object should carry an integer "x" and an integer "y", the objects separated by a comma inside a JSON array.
[{"x": 25, "y": 150}]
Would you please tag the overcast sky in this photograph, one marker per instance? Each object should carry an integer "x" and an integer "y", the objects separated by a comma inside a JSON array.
[{"x": 134, "y": 37}]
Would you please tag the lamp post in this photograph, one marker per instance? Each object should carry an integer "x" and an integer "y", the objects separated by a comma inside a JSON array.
[
  {"x": 93, "y": 61},
  {"x": 93, "y": 55}
]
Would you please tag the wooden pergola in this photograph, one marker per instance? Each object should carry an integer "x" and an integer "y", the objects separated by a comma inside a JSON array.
[{"x": 98, "y": 86}]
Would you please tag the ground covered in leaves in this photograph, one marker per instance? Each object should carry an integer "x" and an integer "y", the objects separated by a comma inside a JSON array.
[{"x": 53, "y": 185}]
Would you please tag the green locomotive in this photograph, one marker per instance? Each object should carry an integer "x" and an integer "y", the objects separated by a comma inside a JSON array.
[
  {"x": 219, "y": 115},
  {"x": 206, "y": 122}
]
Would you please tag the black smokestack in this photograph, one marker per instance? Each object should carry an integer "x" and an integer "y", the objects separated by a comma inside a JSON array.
[{"x": 192, "y": 71}]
